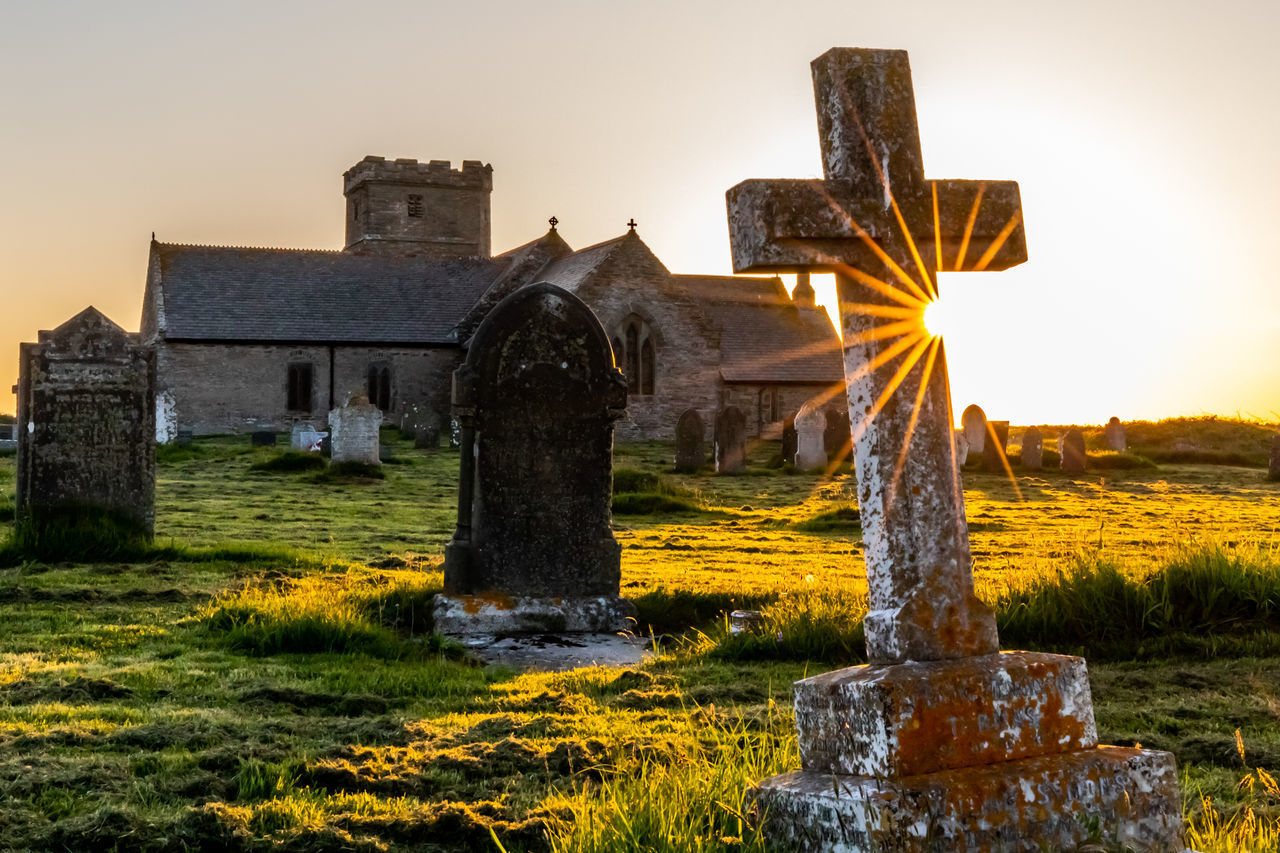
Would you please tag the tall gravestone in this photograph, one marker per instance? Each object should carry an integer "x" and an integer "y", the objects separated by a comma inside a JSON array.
[
  {"x": 353, "y": 431},
  {"x": 974, "y": 423},
  {"x": 1072, "y": 452},
  {"x": 993, "y": 452},
  {"x": 789, "y": 439},
  {"x": 536, "y": 399},
  {"x": 941, "y": 743},
  {"x": 1032, "y": 449},
  {"x": 86, "y": 421},
  {"x": 811, "y": 428},
  {"x": 1114, "y": 435},
  {"x": 838, "y": 439},
  {"x": 691, "y": 442},
  {"x": 731, "y": 441}
]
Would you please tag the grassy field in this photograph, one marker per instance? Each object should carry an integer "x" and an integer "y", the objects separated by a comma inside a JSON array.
[{"x": 266, "y": 679}]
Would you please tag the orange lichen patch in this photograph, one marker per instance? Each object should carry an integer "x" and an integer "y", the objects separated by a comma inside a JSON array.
[{"x": 473, "y": 604}]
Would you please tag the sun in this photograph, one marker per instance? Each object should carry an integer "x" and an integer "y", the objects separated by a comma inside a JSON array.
[{"x": 937, "y": 318}]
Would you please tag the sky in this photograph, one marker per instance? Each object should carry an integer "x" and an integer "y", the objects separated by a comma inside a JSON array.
[{"x": 1144, "y": 136}]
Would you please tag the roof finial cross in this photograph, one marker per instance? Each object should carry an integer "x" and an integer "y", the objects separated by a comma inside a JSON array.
[
  {"x": 553, "y": 222},
  {"x": 631, "y": 224}
]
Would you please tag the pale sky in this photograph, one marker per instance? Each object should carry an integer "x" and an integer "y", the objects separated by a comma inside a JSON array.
[{"x": 1145, "y": 137}]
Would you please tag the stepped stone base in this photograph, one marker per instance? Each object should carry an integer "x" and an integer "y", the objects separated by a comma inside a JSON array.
[
  {"x": 913, "y": 718},
  {"x": 496, "y": 614},
  {"x": 1031, "y": 804}
]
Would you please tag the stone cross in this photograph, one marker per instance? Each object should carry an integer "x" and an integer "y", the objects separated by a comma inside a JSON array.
[{"x": 885, "y": 231}]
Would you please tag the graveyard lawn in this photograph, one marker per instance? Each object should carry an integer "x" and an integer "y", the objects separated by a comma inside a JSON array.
[{"x": 268, "y": 680}]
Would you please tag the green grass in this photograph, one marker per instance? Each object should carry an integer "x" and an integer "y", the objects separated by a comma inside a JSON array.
[{"x": 290, "y": 461}]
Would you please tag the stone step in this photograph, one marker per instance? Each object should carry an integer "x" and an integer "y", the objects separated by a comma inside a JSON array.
[
  {"x": 1032, "y": 804},
  {"x": 913, "y": 718}
]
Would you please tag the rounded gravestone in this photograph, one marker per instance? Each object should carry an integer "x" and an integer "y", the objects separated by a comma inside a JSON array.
[
  {"x": 993, "y": 452},
  {"x": 811, "y": 427},
  {"x": 974, "y": 423},
  {"x": 691, "y": 440},
  {"x": 1071, "y": 447},
  {"x": 731, "y": 441},
  {"x": 1032, "y": 449},
  {"x": 1114, "y": 435}
]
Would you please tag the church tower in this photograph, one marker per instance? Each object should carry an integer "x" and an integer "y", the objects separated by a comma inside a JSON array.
[{"x": 403, "y": 208}]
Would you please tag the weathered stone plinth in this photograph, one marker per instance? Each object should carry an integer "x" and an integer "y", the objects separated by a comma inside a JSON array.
[
  {"x": 462, "y": 615},
  {"x": 915, "y": 718},
  {"x": 1031, "y": 804}
]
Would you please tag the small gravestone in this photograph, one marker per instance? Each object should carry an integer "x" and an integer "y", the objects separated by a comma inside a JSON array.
[
  {"x": 86, "y": 410},
  {"x": 353, "y": 431},
  {"x": 974, "y": 423},
  {"x": 789, "y": 440},
  {"x": 993, "y": 452},
  {"x": 962, "y": 447},
  {"x": 263, "y": 438},
  {"x": 731, "y": 441},
  {"x": 185, "y": 437},
  {"x": 421, "y": 423},
  {"x": 7, "y": 433},
  {"x": 837, "y": 439},
  {"x": 536, "y": 399},
  {"x": 305, "y": 438},
  {"x": 1032, "y": 449},
  {"x": 811, "y": 427},
  {"x": 1071, "y": 449},
  {"x": 1273, "y": 468},
  {"x": 691, "y": 442},
  {"x": 1114, "y": 435}
]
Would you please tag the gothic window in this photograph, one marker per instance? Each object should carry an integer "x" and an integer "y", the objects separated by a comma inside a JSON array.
[
  {"x": 770, "y": 408},
  {"x": 635, "y": 351},
  {"x": 416, "y": 207},
  {"x": 299, "y": 384},
  {"x": 380, "y": 385}
]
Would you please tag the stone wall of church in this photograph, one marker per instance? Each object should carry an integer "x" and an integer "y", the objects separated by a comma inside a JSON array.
[
  {"x": 218, "y": 388},
  {"x": 632, "y": 283},
  {"x": 756, "y": 405}
]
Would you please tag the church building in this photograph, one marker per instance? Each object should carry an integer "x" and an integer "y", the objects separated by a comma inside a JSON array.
[{"x": 251, "y": 338}]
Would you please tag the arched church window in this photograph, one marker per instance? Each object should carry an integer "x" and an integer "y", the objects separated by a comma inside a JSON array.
[
  {"x": 646, "y": 366},
  {"x": 633, "y": 359},
  {"x": 635, "y": 350},
  {"x": 619, "y": 353},
  {"x": 770, "y": 406},
  {"x": 379, "y": 385}
]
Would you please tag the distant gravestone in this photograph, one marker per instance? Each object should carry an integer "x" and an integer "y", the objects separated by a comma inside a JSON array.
[
  {"x": 691, "y": 442},
  {"x": 993, "y": 452},
  {"x": 1273, "y": 469},
  {"x": 305, "y": 438},
  {"x": 962, "y": 447},
  {"x": 7, "y": 432},
  {"x": 974, "y": 423},
  {"x": 86, "y": 411},
  {"x": 1114, "y": 435},
  {"x": 789, "y": 439},
  {"x": 185, "y": 437},
  {"x": 421, "y": 423},
  {"x": 838, "y": 438},
  {"x": 1071, "y": 448},
  {"x": 263, "y": 438},
  {"x": 1032, "y": 449},
  {"x": 536, "y": 400},
  {"x": 731, "y": 441},
  {"x": 353, "y": 431},
  {"x": 811, "y": 427}
]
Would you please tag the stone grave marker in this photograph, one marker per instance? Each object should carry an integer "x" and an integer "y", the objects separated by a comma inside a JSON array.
[
  {"x": 962, "y": 447},
  {"x": 185, "y": 436},
  {"x": 1032, "y": 449},
  {"x": 811, "y": 427},
  {"x": 993, "y": 452},
  {"x": 353, "y": 431},
  {"x": 1114, "y": 435},
  {"x": 305, "y": 438},
  {"x": 1071, "y": 449},
  {"x": 536, "y": 399},
  {"x": 940, "y": 743},
  {"x": 1273, "y": 466},
  {"x": 691, "y": 442},
  {"x": 789, "y": 439},
  {"x": 731, "y": 441},
  {"x": 86, "y": 416},
  {"x": 837, "y": 439},
  {"x": 974, "y": 423},
  {"x": 263, "y": 438},
  {"x": 421, "y": 423}
]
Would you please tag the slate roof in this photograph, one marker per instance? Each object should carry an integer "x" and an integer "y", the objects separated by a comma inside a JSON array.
[
  {"x": 569, "y": 272},
  {"x": 229, "y": 293},
  {"x": 764, "y": 337}
]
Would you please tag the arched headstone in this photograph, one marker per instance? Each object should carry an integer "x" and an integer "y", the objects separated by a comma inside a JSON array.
[
  {"x": 536, "y": 399},
  {"x": 353, "y": 431},
  {"x": 731, "y": 441},
  {"x": 1114, "y": 435},
  {"x": 1071, "y": 447},
  {"x": 691, "y": 441},
  {"x": 1032, "y": 449},
  {"x": 974, "y": 423},
  {"x": 811, "y": 426}
]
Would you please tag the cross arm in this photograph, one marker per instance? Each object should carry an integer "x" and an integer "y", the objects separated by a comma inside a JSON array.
[{"x": 978, "y": 225}]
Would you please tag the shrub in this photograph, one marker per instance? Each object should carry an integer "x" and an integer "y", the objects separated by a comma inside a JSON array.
[
  {"x": 346, "y": 472},
  {"x": 1118, "y": 461}
]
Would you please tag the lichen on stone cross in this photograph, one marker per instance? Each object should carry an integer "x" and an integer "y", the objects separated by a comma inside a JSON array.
[{"x": 885, "y": 232}]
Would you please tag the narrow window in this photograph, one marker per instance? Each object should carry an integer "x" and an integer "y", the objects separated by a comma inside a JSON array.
[
  {"x": 379, "y": 385},
  {"x": 415, "y": 205},
  {"x": 633, "y": 359},
  {"x": 619, "y": 354},
  {"x": 775, "y": 410},
  {"x": 299, "y": 393},
  {"x": 646, "y": 366}
]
